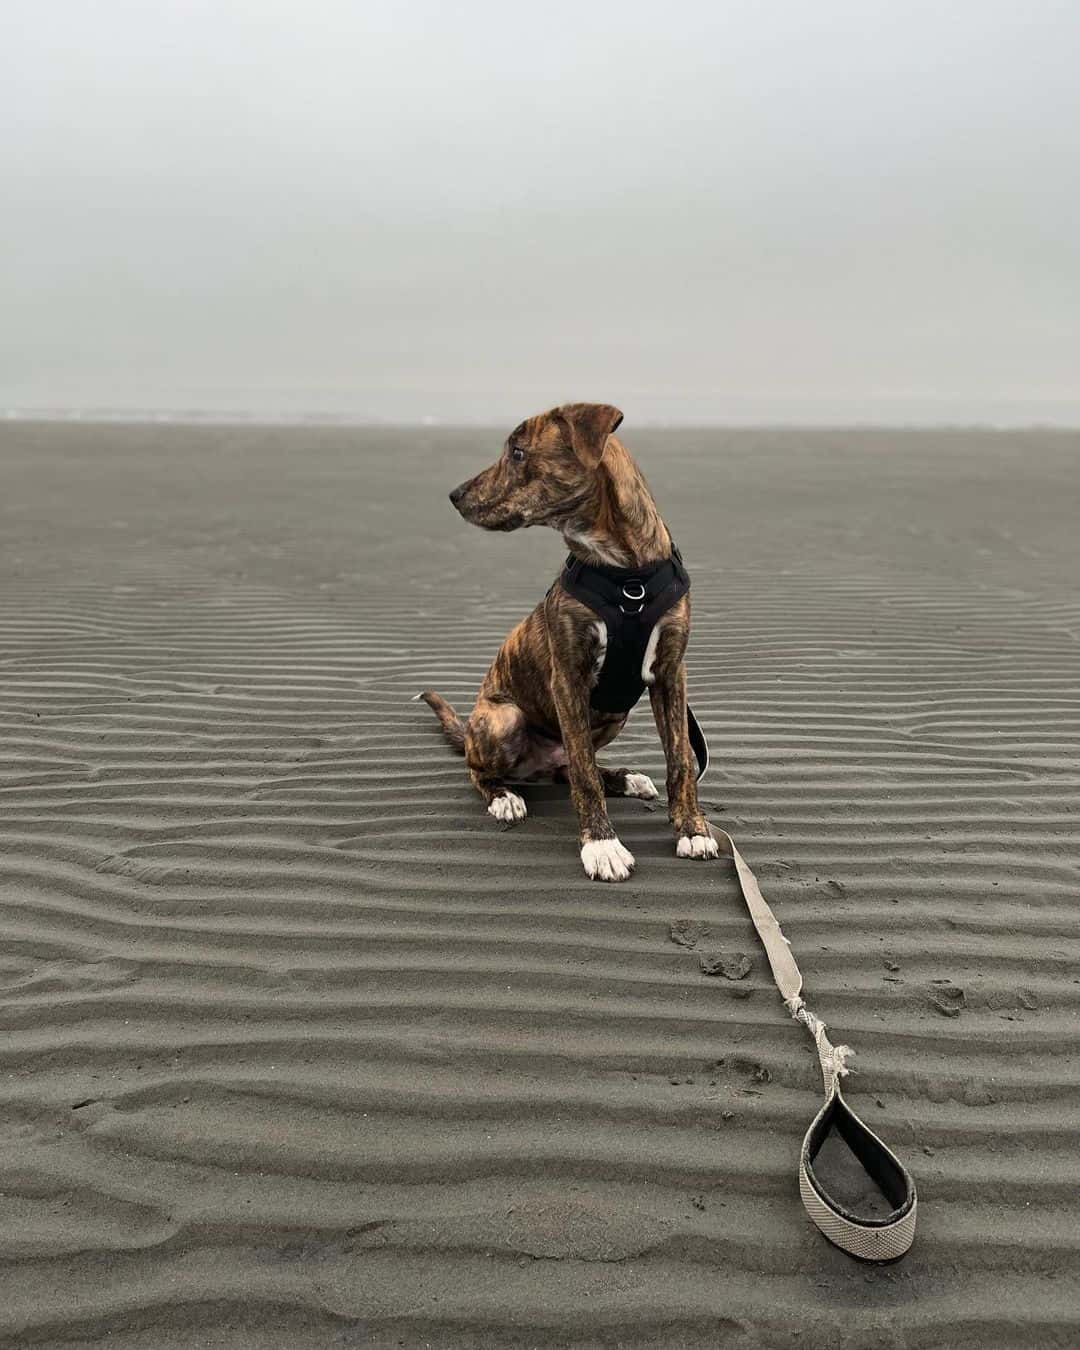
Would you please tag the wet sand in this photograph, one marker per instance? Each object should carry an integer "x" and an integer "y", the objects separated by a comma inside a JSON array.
[{"x": 300, "y": 1048}]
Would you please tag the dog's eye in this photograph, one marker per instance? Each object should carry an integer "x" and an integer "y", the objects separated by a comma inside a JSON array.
[{"x": 517, "y": 454}]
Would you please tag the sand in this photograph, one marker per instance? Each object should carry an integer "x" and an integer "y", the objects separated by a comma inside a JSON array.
[{"x": 300, "y": 1048}]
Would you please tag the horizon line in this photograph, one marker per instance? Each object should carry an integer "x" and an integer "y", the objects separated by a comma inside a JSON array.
[{"x": 217, "y": 417}]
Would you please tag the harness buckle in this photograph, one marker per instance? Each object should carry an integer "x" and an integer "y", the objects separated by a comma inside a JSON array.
[{"x": 634, "y": 591}]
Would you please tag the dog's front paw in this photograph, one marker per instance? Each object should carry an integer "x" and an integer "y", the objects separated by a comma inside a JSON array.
[
  {"x": 697, "y": 846},
  {"x": 606, "y": 860},
  {"x": 641, "y": 785},
  {"x": 507, "y": 806}
]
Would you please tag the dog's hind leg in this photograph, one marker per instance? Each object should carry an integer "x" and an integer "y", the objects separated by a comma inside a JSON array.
[
  {"x": 627, "y": 783},
  {"x": 495, "y": 740},
  {"x": 618, "y": 783}
]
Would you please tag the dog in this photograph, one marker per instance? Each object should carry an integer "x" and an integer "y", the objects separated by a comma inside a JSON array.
[{"x": 617, "y": 621}]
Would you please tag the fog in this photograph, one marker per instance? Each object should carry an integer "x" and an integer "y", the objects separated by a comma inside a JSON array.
[{"x": 734, "y": 212}]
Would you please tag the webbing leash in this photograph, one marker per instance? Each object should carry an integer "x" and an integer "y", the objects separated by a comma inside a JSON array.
[{"x": 869, "y": 1239}]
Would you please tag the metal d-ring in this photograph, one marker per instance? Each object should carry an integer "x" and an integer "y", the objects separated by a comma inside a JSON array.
[{"x": 628, "y": 594}]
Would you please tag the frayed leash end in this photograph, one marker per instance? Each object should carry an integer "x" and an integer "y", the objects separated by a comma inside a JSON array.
[
  {"x": 833, "y": 1058},
  {"x": 840, "y": 1056}
]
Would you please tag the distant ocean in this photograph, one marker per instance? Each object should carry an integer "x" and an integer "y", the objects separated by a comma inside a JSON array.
[{"x": 646, "y": 410}]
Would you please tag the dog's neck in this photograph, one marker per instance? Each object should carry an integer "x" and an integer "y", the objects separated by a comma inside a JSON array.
[{"x": 617, "y": 522}]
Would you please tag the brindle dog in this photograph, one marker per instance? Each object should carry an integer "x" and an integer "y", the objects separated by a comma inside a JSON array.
[{"x": 532, "y": 717}]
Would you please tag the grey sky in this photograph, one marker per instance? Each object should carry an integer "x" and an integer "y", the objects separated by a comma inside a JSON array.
[{"x": 701, "y": 211}]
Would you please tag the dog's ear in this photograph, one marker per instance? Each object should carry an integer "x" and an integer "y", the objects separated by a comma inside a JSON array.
[{"x": 589, "y": 425}]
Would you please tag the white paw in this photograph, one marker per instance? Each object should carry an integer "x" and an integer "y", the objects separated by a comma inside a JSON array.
[
  {"x": 697, "y": 846},
  {"x": 606, "y": 860},
  {"x": 641, "y": 785},
  {"x": 507, "y": 806}
]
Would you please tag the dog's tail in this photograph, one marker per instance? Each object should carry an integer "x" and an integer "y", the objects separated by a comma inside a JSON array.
[{"x": 450, "y": 722}]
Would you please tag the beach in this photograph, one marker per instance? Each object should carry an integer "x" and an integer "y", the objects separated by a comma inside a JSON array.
[{"x": 301, "y": 1048}]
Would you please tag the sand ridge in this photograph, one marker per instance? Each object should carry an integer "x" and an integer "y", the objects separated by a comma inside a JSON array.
[{"x": 302, "y": 1048}]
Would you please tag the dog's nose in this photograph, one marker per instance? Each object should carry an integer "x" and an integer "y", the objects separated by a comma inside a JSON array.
[{"x": 458, "y": 493}]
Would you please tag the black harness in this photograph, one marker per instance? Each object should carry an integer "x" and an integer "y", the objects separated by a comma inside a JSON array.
[{"x": 630, "y": 600}]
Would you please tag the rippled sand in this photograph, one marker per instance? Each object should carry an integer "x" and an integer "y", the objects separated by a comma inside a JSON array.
[{"x": 300, "y": 1048}]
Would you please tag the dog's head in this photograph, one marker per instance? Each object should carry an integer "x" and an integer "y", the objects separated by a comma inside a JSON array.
[{"x": 545, "y": 472}]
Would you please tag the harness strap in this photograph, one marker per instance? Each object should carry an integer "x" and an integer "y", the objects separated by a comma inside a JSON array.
[
  {"x": 884, "y": 1239},
  {"x": 698, "y": 743}
]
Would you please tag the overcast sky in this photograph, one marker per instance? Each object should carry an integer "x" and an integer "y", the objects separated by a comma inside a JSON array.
[{"x": 770, "y": 210}]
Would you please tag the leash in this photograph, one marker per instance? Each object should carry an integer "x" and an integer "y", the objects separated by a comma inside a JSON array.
[{"x": 868, "y": 1239}]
